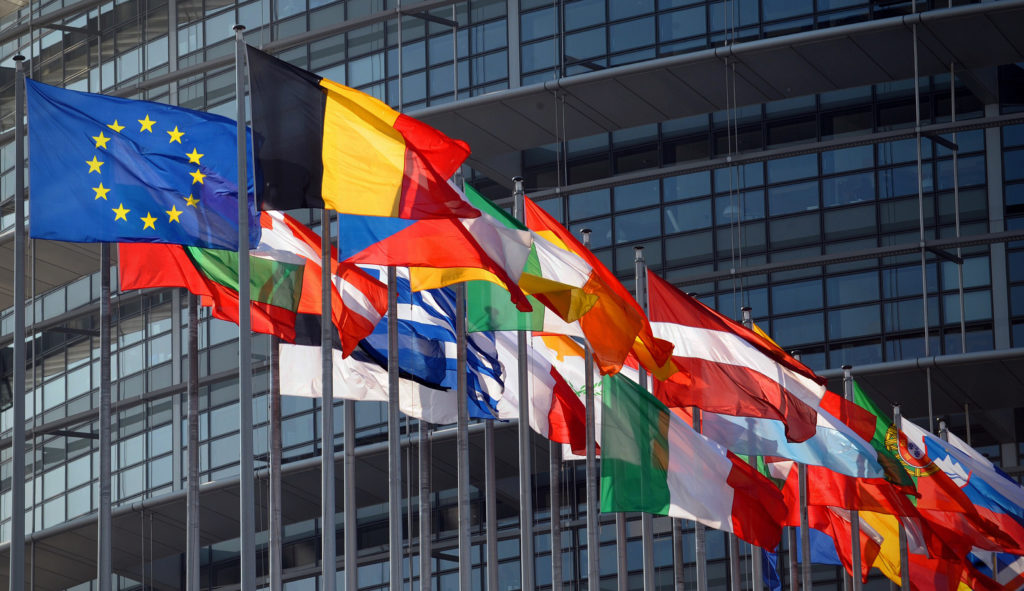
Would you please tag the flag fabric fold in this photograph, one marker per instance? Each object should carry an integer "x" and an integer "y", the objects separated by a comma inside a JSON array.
[
  {"x": 653, "y": 461},
  {"x": 440, "y": 252},
  {"x": 722, "y": 367},
  {"x": 284, "y": 280},
  {"x": 615, "y": 325},
  {"x": 107, "y": 169},
  {"x": 556, "y": 411},
  {"x": 321, "y": 144}
]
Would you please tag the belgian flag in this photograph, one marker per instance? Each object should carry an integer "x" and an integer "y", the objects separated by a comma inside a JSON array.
[{"x": 320, "y": 144}]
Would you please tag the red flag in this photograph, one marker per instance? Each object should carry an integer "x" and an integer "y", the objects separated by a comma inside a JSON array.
[{"x": 725, "y": 368}]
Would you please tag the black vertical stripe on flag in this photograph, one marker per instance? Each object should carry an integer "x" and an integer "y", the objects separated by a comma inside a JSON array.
[{"x": 288, "y": 123}]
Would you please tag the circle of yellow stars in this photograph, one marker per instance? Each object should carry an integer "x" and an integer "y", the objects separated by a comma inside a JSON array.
[{"x": 121, "y": 212}]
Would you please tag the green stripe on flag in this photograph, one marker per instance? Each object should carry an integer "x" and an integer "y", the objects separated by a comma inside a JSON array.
[
  {"x": 271, "y": 282},
  {"x": 634, "y": 449},
  {"x": 894, "y": 470}
]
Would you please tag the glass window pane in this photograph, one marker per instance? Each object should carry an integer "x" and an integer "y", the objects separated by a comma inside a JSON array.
[
  {"x": 796, "y": 297},
  {"x": 682, "y": 24},
  {"x": 691, "y": 215},
  {"x": 853, "y": 188},
  {"x": 790, "y": 169},
  {"x": 798, "y": 330},
  {"x": 600, "y": 232},
  {"x": 795, "y": 231},
  {"x": 750, "y": 203},
  {"x": 636, "y": 195},
  {"x": 590, "y": 204},
  {"x": 637, "y": 226},
  {"x": 631, "y": 34},
  {"x": 685, "y": 186},
  {"x": 852, "y": 289},
  {"x": 854, "y": 322},
  {"x": 847, "y": 159},
  {"x": 793, "y": 198},
  {"x": 688, "y": 249}
]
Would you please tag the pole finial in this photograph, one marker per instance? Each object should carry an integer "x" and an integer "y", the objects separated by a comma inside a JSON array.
[{"x": 238, "y": 28}]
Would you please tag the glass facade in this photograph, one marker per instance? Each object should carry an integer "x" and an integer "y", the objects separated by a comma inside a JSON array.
[{"x": 809, "y": 209}]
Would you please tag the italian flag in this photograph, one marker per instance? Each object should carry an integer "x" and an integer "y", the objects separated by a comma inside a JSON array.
[{"x": 653, "y": 461}]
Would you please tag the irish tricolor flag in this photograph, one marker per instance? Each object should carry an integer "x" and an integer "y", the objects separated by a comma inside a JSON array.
[{"x": 653, "y": 461}]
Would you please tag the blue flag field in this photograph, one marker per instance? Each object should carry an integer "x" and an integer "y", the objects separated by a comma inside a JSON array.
[{"x": 107, "y": 169}]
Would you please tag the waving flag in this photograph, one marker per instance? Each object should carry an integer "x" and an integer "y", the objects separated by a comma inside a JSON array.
[
  {"x": 107, "y": 169},
  {"x": 284, "y": 280},
  {"x": 653, "y": 461},
  {"x": 615, "y": 325},
  {"x": 426, "y": 357},
  {"x": 442, "y": 251},
  {"x": 723, "y": 367},
  {"x": 999, "y": 501},
  {"x": 556, "y": 412},
  {"x": 321, "y": 144}
]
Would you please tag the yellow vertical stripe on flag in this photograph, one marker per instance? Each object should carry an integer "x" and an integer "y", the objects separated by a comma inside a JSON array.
[
  {"x": 363, "y": 154},
  {"x": 888, "y": 559}
]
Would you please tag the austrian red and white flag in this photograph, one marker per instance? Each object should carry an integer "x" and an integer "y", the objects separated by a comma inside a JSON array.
[{"x": 723, "y": 367}]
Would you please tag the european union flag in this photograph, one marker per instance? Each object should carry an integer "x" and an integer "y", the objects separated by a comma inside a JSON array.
[{"x": 107, "y": 169}]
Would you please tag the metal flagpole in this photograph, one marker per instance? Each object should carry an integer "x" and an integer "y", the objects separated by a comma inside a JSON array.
[
  {"x": 462, "y": 440},
  {"x": 425, "y": 521},
  {"x": 328, "y": 531},
  {"x": 349, "y": 484},
  {"x": 897, "y": 421},
  {"x": 192, "y": 563},
  {"x": 677, "y": 554},
  {"x": 276, "y": 539},
  {"x": 394, "y": 457},
  {"x": 555, "y": 483},
  {"x": 756, "y": 576},
  {"x": 246, "y": 503},
  {"x": 593, "y": 539},
  {"x": 794, "y": 568},
  {"x": 104, "y": 524},
  {"x": 621, "y": 547},
  {"x": 646, "y": 519},
  {"x": 525, "y": 464},
  {"x": 491, "y": 509},
  {"x": 17, "y": 539},
  {"x": 349, "y": 500},
  {"x": 699, "y": 532},
  {"x": 805, "y": 518},
  {"x": 854, "y": 515}
]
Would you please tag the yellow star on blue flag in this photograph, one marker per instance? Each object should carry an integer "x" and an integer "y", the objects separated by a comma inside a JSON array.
[{"x": 177, "y": 162}]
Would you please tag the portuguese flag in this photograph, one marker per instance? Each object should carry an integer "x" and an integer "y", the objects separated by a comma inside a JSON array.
[{"x": 319, "y": 144}]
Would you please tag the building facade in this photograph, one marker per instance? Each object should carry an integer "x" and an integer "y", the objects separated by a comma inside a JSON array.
[{"x": 771, "y": 154}]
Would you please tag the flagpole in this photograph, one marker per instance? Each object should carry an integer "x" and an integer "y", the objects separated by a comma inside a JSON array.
[
  {"x": 677, "y": 553},
  {"x": 425, "y": 522},
  {"x": 794, "y": 569},
  {"x": 328, "y": 531},
  {"x": 462, "y": 439},
  {"x": 646, "y": 519},
  {"x": 805, "y": 518},
  {"x": 593, "y": 539},
  {"x": 17, "y": 543},
  {"x": 192, "y": 562},
  {"x": 491, "y": 509},
  {"x": 104, "y": 523},
  {"x": 756, "y": 574},
  {"x": 349, "y": 500},
  {"x": 526, "y": 555},
  {"x": 246, "y": 504},
  {"x": 349, "y": 483},
  {"x": 394, "y": 456},
  {"x": 699, "y": 532},
  {"x": 854, "y": 515},
  {"x": 897, "y": 421},
  {"x": 555, "y": 484},
  {"x": 621, "y": 547},
  {"x": 275, "y": 540}
]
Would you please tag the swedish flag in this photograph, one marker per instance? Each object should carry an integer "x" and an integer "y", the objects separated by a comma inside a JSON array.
[{"x": 107, "y": 169}]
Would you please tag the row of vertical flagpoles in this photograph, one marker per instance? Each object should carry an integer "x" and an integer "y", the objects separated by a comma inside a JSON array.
[{"x": 328, "y": 529}]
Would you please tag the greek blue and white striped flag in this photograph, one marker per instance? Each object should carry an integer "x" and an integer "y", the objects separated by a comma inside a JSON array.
[{"x": 426, "y": 353}]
